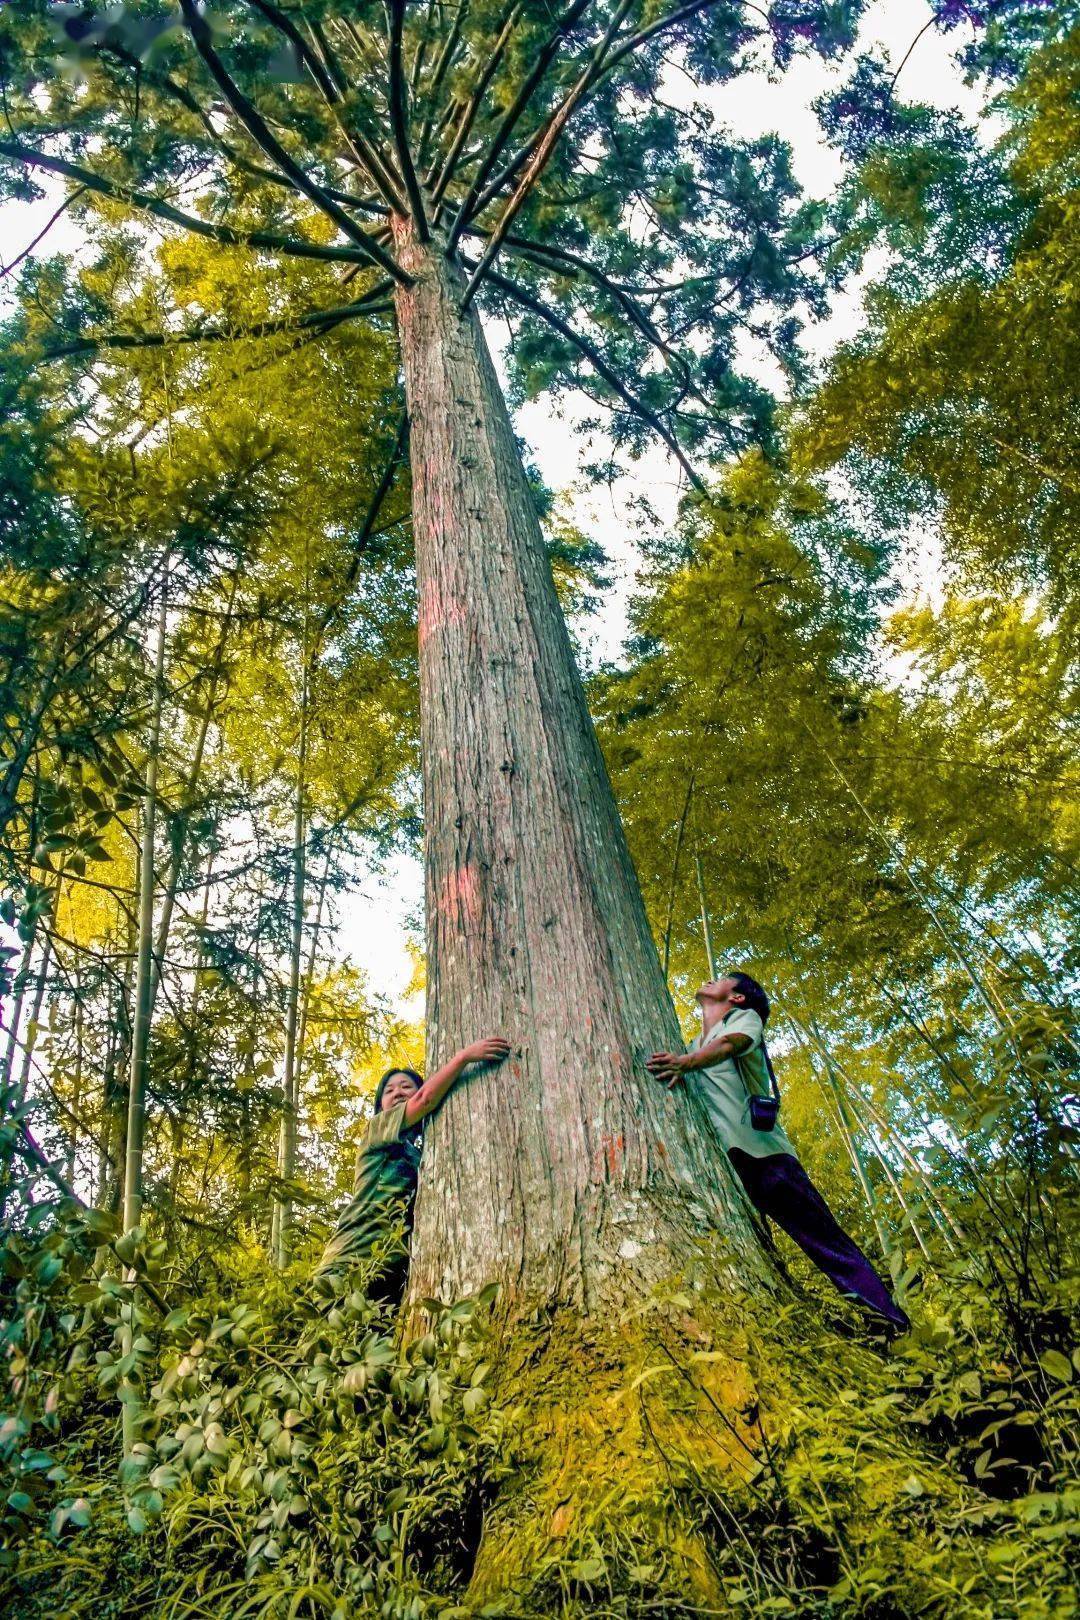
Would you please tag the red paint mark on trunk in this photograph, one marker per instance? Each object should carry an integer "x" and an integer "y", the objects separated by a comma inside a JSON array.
[
  {"x": 437, "y": 614},
  {"x": 458, "y": 894},
  {"x": 611, "y": 1152}
]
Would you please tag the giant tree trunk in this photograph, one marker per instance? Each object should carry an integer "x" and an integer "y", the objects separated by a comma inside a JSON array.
[{"x": 568, "y": 1174}]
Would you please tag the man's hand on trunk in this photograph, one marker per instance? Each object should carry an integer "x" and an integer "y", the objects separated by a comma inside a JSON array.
[{"x": 670, "y": 1067}]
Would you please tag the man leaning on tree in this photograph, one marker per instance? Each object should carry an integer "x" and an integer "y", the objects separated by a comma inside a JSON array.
[{"x": 728, "y": 1066}]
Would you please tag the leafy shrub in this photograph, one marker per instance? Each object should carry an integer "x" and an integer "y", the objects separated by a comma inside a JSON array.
[
  {"x": 291, "y": 1453},
  {"x": 288, "y": 1442}
]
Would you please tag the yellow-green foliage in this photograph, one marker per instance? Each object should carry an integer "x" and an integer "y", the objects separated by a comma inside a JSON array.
[{"x": 708, "y": 1453}]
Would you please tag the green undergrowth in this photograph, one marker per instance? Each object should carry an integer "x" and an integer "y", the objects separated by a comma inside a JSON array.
[{"x": 704, "y": 1454}]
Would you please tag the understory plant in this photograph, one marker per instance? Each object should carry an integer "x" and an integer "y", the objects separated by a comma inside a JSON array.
[{"x": 301, "y": 1451}]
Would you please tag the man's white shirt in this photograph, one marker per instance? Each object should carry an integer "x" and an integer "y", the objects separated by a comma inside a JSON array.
[{"x": 725, "y": 1090}]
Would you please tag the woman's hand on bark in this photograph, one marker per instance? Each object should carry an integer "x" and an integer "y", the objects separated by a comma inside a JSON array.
[{"x": 494, "y": 1050}]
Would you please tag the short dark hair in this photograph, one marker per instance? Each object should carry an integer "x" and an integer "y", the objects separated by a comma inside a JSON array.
[
  {"x": 753, "y": 995},
  {"x": 387, "y": 1077}
]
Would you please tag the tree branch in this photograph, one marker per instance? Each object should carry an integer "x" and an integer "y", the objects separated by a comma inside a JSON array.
[
  {"x": 73, "y": 197},
  {"x": 600, "y": 365},
  {"x": 330, "y": 57},
  {"x": 547, "y": 144},
  {"x": 256, "y": 170},
  {"x": 465, "y": 124},
  {"x": 545, "y": 253},
  {"x": 442, "y": 63},
  {"x": 642, "y": 37},
  {"x": 334, "y": 87},
  {"x": 319, "y": 319},
  {"x": 286, "y": 26},
  {"x": 632, "y": 43},
  {"x": 386, "y": 483},
  {"x": 398, "y": 121},
  {"x": 261, "y": 134},
  {"x": 506, "y": 128},
  {"x": 295, "y": 247}
]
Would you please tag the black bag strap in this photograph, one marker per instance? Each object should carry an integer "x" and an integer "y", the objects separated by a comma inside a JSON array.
[
  {"x": 764, "y": 1052},
  {"x": 772, "y": 1071}
]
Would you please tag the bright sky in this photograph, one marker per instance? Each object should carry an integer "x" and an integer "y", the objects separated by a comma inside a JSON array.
[{"x": 378, "y": 918}]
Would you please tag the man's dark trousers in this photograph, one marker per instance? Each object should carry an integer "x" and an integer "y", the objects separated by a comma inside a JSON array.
[{"x": 780, "y": 1188}]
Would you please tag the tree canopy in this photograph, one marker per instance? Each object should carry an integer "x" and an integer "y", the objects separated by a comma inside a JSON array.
[{"x": 626, "y": 234}]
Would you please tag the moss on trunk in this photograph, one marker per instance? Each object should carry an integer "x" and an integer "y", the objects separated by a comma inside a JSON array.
[{"x": 686, "y": 1461}]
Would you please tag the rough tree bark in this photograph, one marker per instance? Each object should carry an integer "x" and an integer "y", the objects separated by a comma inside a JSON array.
[{"x": 568, "y": 1175}]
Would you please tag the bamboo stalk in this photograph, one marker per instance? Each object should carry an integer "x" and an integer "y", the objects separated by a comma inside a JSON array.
[
  {"x": 854, "y": 1154},
  {"x": 287, "y": 1143},
  {"x": 140, "y": 1032},
  {"x": 183, "y": 816},
  {"x": 680, "y": 835},
  {"x": 706, "y": 932}
]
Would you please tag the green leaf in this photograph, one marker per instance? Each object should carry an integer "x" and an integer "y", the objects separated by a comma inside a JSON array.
[
  {"x": 587, "y": 1569},
  {"x": 1057, "y": 1365}
]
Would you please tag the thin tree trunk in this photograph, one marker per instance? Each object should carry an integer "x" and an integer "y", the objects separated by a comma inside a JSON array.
[
  {"x": 569, "y": 1174},
  {"x": 993, "y": 1004},
  {"x": 177, "y": 1134},
  {"x": 11, "y": 1048},
  {"x": 313, "y": 954},
  {"x": 26, "y": 1043},
  {"x": 192, "y": 1036},
  {"x": 22, "y": 980},
  {"x": 675, "y": 860},
  {"x": 856, "y": 1097},
  {"x": 13, "y": 775},
  {"x": 852, "y": 1101},
  {"x": 938, "y": 1208},
  {"x": 179, "y": 829},
  {"x": 77, "y": 1086},
  {"x": 30, "y": 1038},
  {"x": 108, "y": 1080},
  {"x": 847, "y": 1131},
  {"x": 113, "y": 1099},
  {"x": 144, "y": 947},
  {"x": 898, "y": 1193},
  {"x": 290, "y": 1099},
  {"x": 706, "y": 932},
  {"x": 923, "y": 1033},
  {"x": 144, "y": 956}
]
